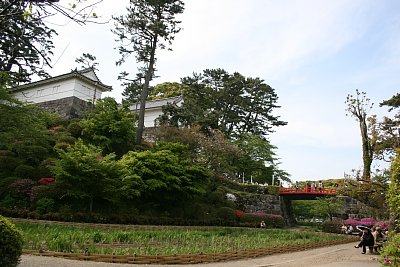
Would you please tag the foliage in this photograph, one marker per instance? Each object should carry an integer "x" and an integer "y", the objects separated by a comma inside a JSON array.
[
  {"x": 21, "y": 125},
  {"x": 25, "y": 42},
  {"x": 110, "y": 127},
  {"x": 304, "y": 209},
  {"x": 212, "y": 150},
  {"x": 358, "y": 106},
  {"x": 169, "y": 242},
  {"x": 226, "y": 213},
  {"x": 388, "y": 140},
  {"x": 165, "y": 90},
  {"x": 148, "y": 25},
  {"x": 393, "y": 196},
  {"x": 164, "y": 174},
  {"x": 11, "y": 243},
  {"x": 390, "y": 254},
  {"x": 254, "y": 219},
  {"x": 230, "y": 103},
  {"x": 45, "y": 205},
  {"x": 331, "y": 227},
  {"x": 25, "y": 39},
  {"x": 324, "y": 207},
  {"x": 88, "y": 176},
  {"x": 259, "y": 159},
  {"x": 87, "y": 60}
]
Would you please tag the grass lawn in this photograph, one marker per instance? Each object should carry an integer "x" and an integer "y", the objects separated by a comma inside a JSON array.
[{"x": 62, "y": 238}]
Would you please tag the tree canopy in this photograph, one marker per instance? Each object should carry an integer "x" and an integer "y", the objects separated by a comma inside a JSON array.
[
  {"x": 110, "y": 126},
  {"x": 230, "y": 103},
  {"x": 25, "y": 42},
  {"x": 148, "y": 25}
]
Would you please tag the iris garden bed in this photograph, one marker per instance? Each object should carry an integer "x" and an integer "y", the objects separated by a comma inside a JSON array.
[{"x": 72, "y": 239}]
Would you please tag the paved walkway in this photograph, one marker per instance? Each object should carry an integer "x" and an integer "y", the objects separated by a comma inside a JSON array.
[{"x": 333, "y": 256}]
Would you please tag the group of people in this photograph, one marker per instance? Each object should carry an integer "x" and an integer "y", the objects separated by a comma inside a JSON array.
[
  {"x": 371, "y": 238},
  {"x": 310, "y": 187},
  {"x": 347, "y": 229}
]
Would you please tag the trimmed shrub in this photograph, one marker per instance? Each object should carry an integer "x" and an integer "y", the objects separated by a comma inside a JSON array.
[
  {"x": 10, "y": 243},
  {"x": 332, "y": 226}
]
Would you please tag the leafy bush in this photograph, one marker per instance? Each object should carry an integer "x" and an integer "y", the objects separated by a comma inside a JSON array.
[
  {"x": 331, "y": 226},
  {"x": 25, "y": 172},
  {"x": 45, "y": 205},
  {"x": 390, "y": 254},
  {"x": 226, "y": 214},
  {"x": 10, "y": 243}
]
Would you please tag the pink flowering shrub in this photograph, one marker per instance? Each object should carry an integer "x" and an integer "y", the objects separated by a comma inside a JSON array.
[
  {"x": 368, "y": 222},
  {"x": 352, "y": 222},
  {"x": 382, "y": 224}
]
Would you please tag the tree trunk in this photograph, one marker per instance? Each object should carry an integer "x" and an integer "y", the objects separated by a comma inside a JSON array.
[
  {"x": 145, "y": 93},
  {"x": 91, "y": 205},
  {"x": 366, "y": 151}
]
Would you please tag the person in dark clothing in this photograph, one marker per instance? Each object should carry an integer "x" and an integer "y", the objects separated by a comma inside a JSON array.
[{"x": 367, "y": 240}]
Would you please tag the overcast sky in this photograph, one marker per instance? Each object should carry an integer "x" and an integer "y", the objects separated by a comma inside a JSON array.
[{"x": 313, "y": 53}]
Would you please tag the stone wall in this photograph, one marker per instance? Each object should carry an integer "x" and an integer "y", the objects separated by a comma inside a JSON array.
[
  {"x": 67, "y": 108},
  {"x": 250, "y": 203},
  {"x": 357, "y": 210}
]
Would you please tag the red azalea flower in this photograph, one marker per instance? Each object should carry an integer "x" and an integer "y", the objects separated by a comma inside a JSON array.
[{"x": 46, "y": 180}]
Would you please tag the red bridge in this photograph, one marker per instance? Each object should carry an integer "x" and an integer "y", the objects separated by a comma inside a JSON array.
[{"x": 305, "y": 193}]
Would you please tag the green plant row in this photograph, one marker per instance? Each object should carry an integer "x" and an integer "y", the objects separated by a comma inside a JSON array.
[{"x": 60, "y": 238}]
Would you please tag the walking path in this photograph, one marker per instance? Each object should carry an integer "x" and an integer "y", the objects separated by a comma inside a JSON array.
[{"x": 333, "y": 256}]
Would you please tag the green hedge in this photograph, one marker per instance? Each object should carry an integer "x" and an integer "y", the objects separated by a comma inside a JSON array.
[
  {"x": 225, "y": 217},
  {"x": 10, "y": 243}
]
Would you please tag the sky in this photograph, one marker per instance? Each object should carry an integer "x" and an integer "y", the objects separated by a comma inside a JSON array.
[{"x": 313, "y": 53}]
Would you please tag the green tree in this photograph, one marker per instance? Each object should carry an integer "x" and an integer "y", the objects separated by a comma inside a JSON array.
[
  {"x": 148, "y": 25},
  {"x": 87, "y": 60},
  {"x": 259, "y": 159},
  {"x": 230, "y": 103},
  {"x": 328, "y": 207},
  {"x": 304, "y": 209},
  {"x": 25, "y": 39},
  {"x": 165, "y": 90},
  {"x": 358, "y": 106},
  {"x": 393, "y": 196},
  {"x": 211, "y": 149},
  {"x": 389, "y": 133},
  {"x": 110, "y": 126},
  {"x": 163, "y": 175},
  {"x": 88, "y": 176},
  {"x": 25, "y": 42}
]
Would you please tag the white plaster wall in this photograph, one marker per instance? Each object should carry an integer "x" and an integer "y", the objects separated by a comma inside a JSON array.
[
  {"x": 86, "y": 91},
  {"x": 48, "y": 92},
  {"x": 150, "y": 115},
  {"x": 59, "y": 90}
]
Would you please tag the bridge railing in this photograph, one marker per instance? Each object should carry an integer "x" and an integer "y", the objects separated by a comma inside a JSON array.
[{"x": 307, "y": 190}]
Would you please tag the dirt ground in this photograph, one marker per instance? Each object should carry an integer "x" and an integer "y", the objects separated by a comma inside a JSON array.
[{"x": 333, "y": 256}]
